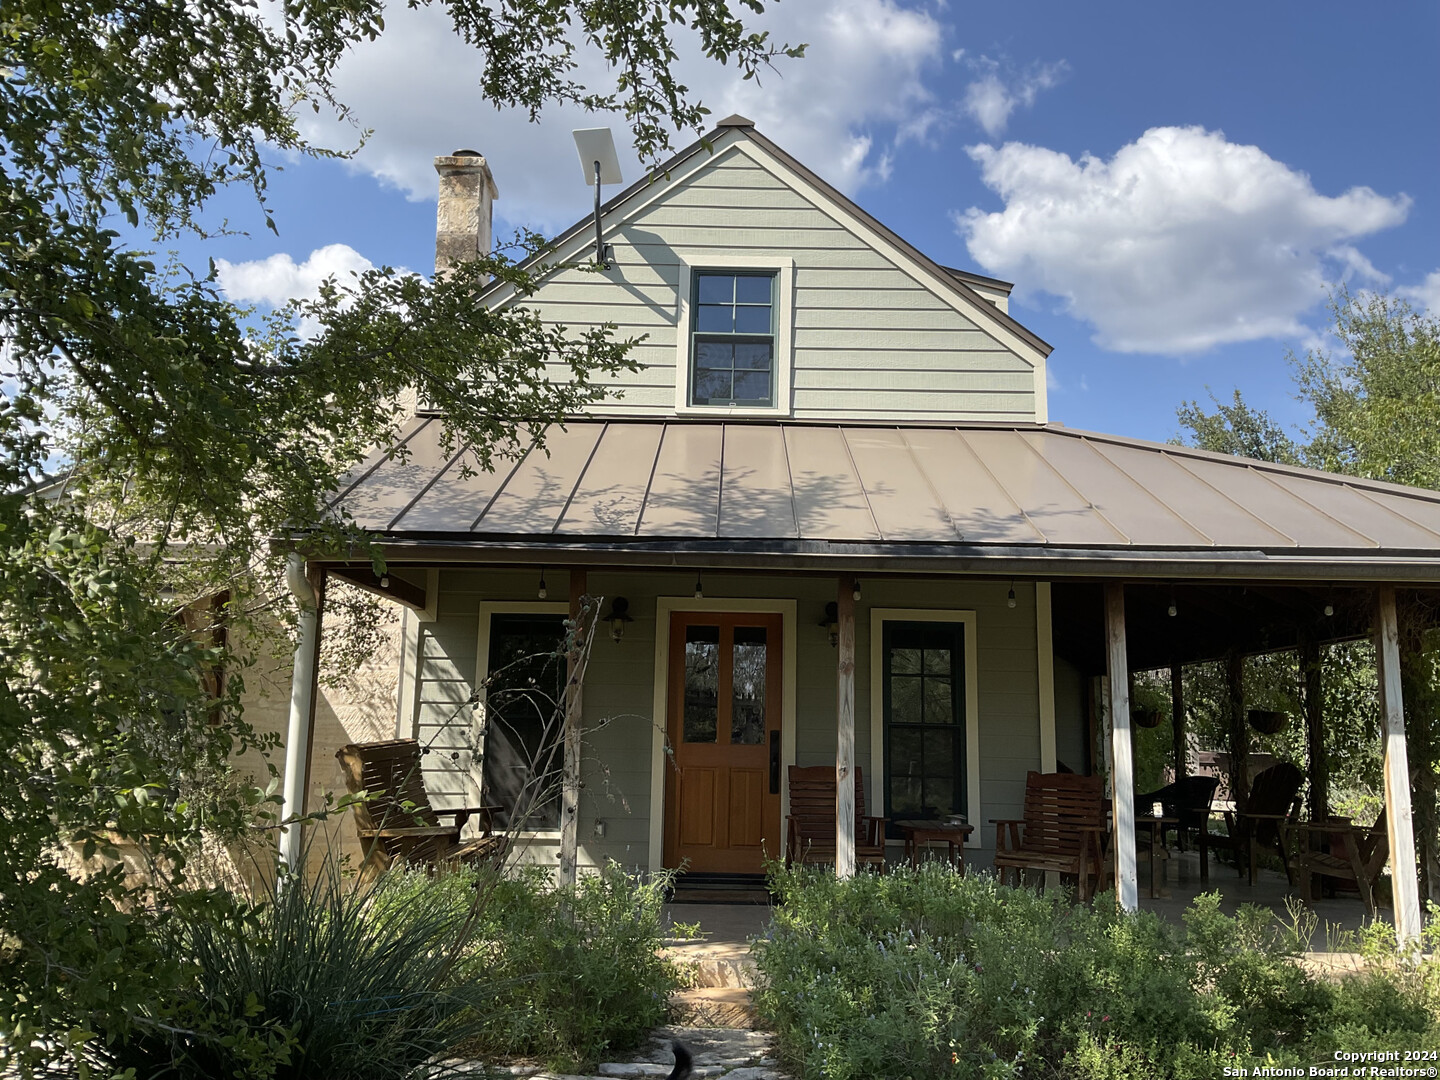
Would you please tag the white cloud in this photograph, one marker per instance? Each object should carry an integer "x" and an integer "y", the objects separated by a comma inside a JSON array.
[
  {"x": 1180, "y": 242},
  {"x": 839, "y": 109},
  {"x": 1426, "y": 295},
  {"x": 279, "y": 278},
  {"x": 999, "y": 90}
]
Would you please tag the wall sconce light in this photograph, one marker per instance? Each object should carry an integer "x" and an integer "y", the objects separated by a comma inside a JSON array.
[
  {"x": 699, "y": 590},
  {"x": 543, "y": 592},
  {"x": 1010, "y": 596},
  {"x": 831, "y": 622},
  {"x": 618, "y": 616}
]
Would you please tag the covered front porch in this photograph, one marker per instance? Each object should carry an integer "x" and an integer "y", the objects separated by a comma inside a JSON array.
[{"x": 1041, "y": 567}]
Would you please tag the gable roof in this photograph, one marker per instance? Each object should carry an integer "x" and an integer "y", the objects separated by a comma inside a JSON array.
[
  {"x": 953, "y": 285},
  {"x": 944, "y": 494}
]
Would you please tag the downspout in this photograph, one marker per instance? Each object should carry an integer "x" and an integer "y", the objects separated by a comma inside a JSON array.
[{"x": 302, "y": 693}]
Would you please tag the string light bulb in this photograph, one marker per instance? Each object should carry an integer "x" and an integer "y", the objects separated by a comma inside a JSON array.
[
  {"x": 1010, "y": 596},
  {"x": 699, "y": 590},
  {"x": 542, "y": 592},
  {"x": 855, "y": 593}
]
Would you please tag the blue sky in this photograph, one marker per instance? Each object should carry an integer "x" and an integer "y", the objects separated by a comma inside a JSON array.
[{"x": 1172, "y": 187}]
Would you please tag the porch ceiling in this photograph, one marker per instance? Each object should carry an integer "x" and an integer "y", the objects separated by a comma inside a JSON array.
[{"x": 912, "y": 491}]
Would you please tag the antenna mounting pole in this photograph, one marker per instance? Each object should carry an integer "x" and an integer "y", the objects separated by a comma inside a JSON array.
[{"x": 599, "y": 244}]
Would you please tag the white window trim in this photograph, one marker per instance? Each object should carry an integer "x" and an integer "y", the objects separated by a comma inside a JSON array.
[
  {"x": 664, "y": 607},
  {"x": 784, "y": 269},
  {"x": 490, "y": 608},
  {"x": 878, "y": 618}
]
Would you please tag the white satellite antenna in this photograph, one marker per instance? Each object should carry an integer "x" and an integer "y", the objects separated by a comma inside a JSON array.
[{"x": 597, "y": 157}]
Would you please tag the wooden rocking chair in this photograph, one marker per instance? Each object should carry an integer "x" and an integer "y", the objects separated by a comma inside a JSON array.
[
  {"x": 1063, "y": 829},
  {"x": 810, "y": 828},
  {"x": 397, "y": 822}
]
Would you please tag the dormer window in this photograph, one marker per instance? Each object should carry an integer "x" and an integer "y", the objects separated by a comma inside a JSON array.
[{"x": 732, "y": 339}]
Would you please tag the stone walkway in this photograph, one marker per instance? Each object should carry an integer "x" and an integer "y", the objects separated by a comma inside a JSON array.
[{"x": 732, "y": 1053}]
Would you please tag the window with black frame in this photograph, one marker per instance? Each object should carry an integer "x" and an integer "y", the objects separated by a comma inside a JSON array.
[
  {"x": 524, "y": 720},
  {"x": 732, "y": 339},
  {"x": 924, "y": 719}
]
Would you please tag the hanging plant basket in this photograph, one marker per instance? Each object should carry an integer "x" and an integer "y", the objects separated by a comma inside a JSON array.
[
  {"x": 1268, "y": 721},
  {"x": 1147, "y": 718}
]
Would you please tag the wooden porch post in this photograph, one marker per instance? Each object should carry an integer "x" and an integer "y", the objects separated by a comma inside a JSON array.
[
  {"x": 307, "y": 583},
  {"x": 1177, "y": 718},
  {"x": 845, "y": 731},
  {"x": 1397, "y": 772},
  {"x": 1122, "y": 778},
  {"x": 570, "y": 786},
  {"x": 1239, "y": 737},
  {"x": 1319, "y": 766}
]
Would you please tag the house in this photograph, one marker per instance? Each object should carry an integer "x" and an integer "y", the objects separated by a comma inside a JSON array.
[{"x": 831, "y": 523}]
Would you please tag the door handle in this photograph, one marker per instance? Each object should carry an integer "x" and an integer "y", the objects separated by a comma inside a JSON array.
[{"x": 774, "y": 763}]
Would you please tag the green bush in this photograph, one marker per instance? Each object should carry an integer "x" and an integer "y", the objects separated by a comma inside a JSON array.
[
  {"x": 575, "y": 972},
  {"x": 328, "y": 979},
  {"x": 332, "y": 979},
  {"x": 924, "y": 974}
]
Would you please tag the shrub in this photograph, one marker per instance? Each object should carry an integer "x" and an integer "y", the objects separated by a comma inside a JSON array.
[
  {"x": 923, "y": 974},
  {"x": 326, "y": 980},
  {"x": 575, "y": 972}
]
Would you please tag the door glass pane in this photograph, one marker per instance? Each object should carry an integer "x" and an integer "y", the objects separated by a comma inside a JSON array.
[
  {"x": 747, "y": 709},
  {"x": 702, "y": 683}
]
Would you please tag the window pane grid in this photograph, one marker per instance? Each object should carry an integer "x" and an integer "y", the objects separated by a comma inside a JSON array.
[
  {"x": 732, "y": 339},
  {"x": 923, "y": 727}
]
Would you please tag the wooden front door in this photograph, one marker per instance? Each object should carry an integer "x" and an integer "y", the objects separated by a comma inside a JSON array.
[{"x": 722, "y": 795}]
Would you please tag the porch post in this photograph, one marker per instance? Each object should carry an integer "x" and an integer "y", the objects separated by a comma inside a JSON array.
[
  {"x": 1397, "y": 772},
  {"x": 308, "y": 587},
  {"x": 1239, "y": 737},
  {"x": 1122, "y": 778},
  {"x": 845, "y": 731},
  {"x": 570, "y": 785},
  {"x": 1177, "y": 718},
  {"x": 1319, "y": 767}
]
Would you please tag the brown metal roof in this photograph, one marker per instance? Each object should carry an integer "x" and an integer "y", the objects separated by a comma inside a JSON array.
[{"x": 951, "y": 490}]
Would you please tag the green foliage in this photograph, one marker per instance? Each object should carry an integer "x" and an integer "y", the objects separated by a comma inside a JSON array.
[
  {"x": 337, "y": 979},
  {"x": 575, "y": 972},
  {"x": 923, "y": 974},
  {"x": 153, "y": 439}
]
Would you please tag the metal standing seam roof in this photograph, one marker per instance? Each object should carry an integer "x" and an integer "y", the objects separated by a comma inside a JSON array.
[{"x": 967, "y": 486}]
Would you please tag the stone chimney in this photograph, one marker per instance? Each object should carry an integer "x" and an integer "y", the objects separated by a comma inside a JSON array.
[{"x": 467, "y": 198}]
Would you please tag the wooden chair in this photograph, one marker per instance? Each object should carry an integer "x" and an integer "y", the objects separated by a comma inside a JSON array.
[
  {"x": 1355, "y": 854},
  {"x": 1188, "y": 800},
  {"x": 1274, "y": 802},
  {"x": 397, "y": 822},
  {"x": 810, "y": 828},
  {"x": 1063, "y": 829}
]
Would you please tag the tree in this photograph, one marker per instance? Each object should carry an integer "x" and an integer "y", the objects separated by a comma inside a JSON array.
[
  {"x": 152, "y": 440},
  {"x": 1376, "y": 414}
]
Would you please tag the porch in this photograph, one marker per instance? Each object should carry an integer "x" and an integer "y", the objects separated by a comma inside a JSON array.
[{"x": 1049, "y": 558}]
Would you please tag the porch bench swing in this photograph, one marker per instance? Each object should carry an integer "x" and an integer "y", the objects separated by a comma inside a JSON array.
[{"x": 1063, "y": 830}]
